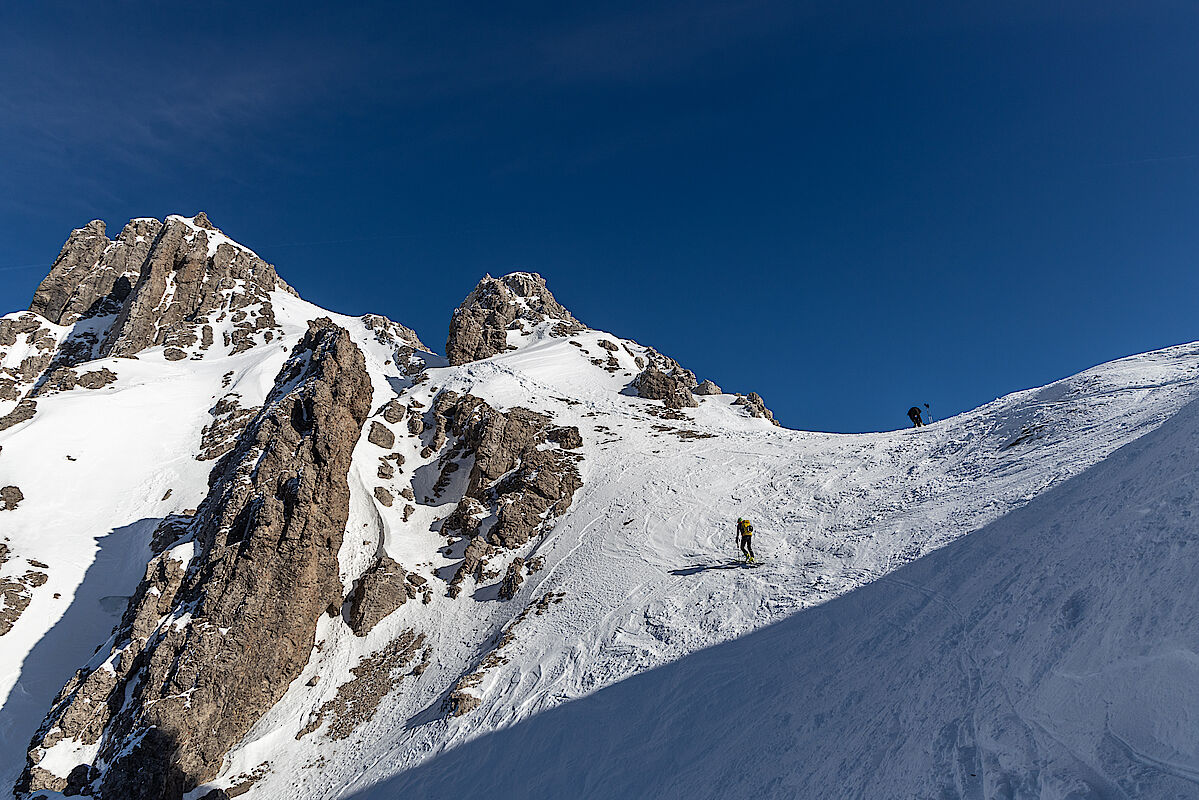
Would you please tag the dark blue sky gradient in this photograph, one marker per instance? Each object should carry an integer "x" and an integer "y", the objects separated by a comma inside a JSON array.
[{"x": 849, "y": 208}]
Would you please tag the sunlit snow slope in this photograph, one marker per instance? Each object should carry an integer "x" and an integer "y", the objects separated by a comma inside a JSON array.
[
  {"x": 1050, "y": 654},
  {"x": 641, "y": 573},
  {"x": 993, "y": 606}
]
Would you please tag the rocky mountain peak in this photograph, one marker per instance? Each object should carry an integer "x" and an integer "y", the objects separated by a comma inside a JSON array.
[
  {"x": 193, "y": 276},
  {"x": 93, "y": 275},
  {"x": 479, "y": 327},
  {"x": 178, "y": 283}
]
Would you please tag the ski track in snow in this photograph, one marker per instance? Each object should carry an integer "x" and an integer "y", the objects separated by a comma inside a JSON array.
[{"x": 645, "y": 557}]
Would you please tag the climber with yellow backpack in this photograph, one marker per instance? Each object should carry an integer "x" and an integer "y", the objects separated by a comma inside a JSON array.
[{"x": 745, "y": 537}]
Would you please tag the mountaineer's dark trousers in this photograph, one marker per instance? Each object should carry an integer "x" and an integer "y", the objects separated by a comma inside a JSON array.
[{"x": 747, "y": 546}]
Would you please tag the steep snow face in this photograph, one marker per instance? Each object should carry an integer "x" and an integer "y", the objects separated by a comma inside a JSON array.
[{"x": 861, "y": 537}]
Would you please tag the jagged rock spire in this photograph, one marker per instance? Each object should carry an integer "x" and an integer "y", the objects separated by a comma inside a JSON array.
[
  {"x": 211, "y": 641},
  {"x": 479, "y": 327},
  {"x": 93, "y": 275}
]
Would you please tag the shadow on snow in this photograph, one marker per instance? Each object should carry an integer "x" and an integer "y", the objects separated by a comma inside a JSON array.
[{"x": 99, "y": 601}]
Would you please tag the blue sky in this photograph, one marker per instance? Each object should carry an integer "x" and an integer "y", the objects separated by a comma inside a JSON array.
[{"x": 849, "y": 208}]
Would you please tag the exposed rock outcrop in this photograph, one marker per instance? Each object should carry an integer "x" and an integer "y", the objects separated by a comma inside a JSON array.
[
  {"x": 755, "y": 406},
  {"x": 707, "y": 388},
  {"x": 229, "y": 419},
  {"x": 88, "y": 285},
  {"x": 64, "y": 379},
  {"x": 10, "y": 496},
  {"x": 193, "y": 271},
  {"x": 211, "y": 641},
  {"x": 16, "y": 591},
  {"x": 374, "y": 678},
  {"x": 93, "y": 275},
  {"x": 380, "y": 436},
  {"x": 379, "y": 592},
  {"x": 513, "y": 579},
  {"x": 479, "y": 327},
  {"x": 97, "y": 379},
  {"x": 394, "y": 411},
  {"x": 26, "y": 337},
  {"x": 474, "y": 560},
  {"x": 654, "y": 384},
  {"x": 403, "y": 339},
  {"x": 522, "y": 474},
  {"x": 158, "y": 283},
  {"x": 22, "y": 413},
  {"x": 466, "y": 517}
]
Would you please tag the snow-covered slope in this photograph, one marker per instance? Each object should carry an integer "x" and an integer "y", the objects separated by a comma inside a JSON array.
[
  {"x": 1050, "y": 654},
  {"x": 972, "y": 609},
  {"x": 643, "y": 566}
]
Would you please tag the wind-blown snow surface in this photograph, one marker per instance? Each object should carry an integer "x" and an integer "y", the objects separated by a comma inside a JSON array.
[{"x": 922, "y": 628}]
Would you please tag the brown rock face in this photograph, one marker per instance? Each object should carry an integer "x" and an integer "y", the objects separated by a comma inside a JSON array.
[
  {"x": 229, "y": 419},
  {"x": 479, "y": 327},
  {"x": 514, "y": 475},
  {"x": 379, "y": 592},
  {"x": 672, "y": 390},
  {"x": 22, "y": 413},
  {"x": 380, "y": 436},
  {"x": 39, "y": 346},
  {"x": 93, "y": 275},
  {"x": 473, "y": 563},
  {"x": 156, "y": 284},
  {"x": 87, "y": 286},
  {"x": 97, "y": 379},
  {"x": 707, "y": 388},
  {"x": 207, "y": 647},
  {"x": 180, "y": 283},
  {"x": 394, "y": 411},
  {"x": 16, "y": 591},
  {"x": 513, "y": 579},
  {"x": 64, "y": 379},
  {"x": 10, "y": 496},
  {"x": 403, "y": 339}
]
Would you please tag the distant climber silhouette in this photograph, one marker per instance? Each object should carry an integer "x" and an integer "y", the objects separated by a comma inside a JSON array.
[{"x": 914, "y": 416}]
